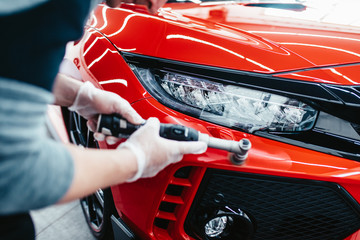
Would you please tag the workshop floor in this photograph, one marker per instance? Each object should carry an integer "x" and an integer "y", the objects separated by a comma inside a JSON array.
[{"x": 61, "y": 222}]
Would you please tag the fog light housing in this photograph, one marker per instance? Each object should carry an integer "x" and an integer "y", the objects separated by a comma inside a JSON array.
[
  {"x": 216, "y": 226},
  {"x": 225, "y": 224}
]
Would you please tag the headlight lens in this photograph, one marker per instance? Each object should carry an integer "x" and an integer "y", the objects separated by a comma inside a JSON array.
[{"x": 228, "y": 105}]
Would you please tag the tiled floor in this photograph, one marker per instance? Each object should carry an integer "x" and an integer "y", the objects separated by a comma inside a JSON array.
[{"x": 65, "y": 222}]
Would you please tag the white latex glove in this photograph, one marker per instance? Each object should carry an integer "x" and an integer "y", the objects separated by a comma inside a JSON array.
[
  {"x": 91, "y": 101},
  {"x": 154, "y": 153}
]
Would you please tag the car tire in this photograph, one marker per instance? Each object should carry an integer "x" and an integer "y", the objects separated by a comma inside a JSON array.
[
  {"x": 97, "y": 215},
  {"x": 98, "y": 207}
]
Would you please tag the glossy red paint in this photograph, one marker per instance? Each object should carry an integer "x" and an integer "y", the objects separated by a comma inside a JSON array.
[
  {"x": 98, "y": 55},
  {"x": 235, "y": 48},
  {"x": 342, "y": 75},
  {"x": 301, "y": 33},
  {"x": 267, "y": 157},
  {"x": 229, "y": 36}
]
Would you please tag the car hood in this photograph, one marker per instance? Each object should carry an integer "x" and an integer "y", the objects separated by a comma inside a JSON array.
[
  {"x": 309, "y": 33},
  {"x": 233, "y": 36}
]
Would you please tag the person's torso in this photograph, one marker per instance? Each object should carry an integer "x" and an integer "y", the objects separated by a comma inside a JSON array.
[{"x": 33, "y": 40}]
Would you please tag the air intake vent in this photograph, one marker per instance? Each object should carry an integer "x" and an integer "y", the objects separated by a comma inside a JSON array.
[
  {"x": 279, "y": 208},
  {"x": 173, "y": 198}
]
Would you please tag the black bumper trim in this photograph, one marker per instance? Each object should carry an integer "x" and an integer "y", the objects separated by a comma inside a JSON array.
[{"x": 121, "y": 230}]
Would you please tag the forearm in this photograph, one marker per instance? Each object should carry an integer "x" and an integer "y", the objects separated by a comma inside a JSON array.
[
  {"x": 33, "y": 166},
  {"x": 94, "y": 169},
  {"x": 65, "y": 89}
]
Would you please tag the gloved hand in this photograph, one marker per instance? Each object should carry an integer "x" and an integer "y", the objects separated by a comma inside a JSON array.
[
  {"x": 91, "y": 101},
  {"x": 154, "y": 153}
]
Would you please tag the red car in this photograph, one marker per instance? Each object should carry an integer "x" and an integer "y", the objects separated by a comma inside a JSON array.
[{"x": 282, "y": 75}]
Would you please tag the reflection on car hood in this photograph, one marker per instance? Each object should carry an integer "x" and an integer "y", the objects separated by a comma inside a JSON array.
[
  {"x": 302, "y": 32},
  {"x": 231, "y": 36}
]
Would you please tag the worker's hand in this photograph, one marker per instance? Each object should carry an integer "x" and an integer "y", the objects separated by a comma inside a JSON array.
[
  {"x": 155, "y": 5},
  {"x": 91, "y": 101},
  {"x": 113, "y": 3},
  {"x": 152, "y": 5},
  {"x": 154, "y": 153}
]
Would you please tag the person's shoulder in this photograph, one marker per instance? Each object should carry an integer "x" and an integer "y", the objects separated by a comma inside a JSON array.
[{"x": 10, "y": 7}]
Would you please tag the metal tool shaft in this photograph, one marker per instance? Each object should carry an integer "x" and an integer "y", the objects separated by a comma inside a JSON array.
[{"x": 116, "y": 126}]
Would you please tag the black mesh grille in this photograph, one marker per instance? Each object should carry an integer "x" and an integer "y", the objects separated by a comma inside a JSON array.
[{"x": 281, "y": 208}]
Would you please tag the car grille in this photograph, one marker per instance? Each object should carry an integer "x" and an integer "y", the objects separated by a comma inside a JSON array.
[{"x": 280, "y": 208}]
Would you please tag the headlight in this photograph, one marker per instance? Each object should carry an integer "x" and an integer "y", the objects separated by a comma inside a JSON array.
[{"x": 228, "y": 105}]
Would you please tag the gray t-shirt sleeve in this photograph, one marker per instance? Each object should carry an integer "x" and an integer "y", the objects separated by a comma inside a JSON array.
[
  {"x": 35, "y": 171},
  {"x": 10, "y": 7},
  {"x": 13, "y": 6}
]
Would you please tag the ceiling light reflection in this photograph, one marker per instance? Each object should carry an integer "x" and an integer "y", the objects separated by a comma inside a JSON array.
[
  {"x": 342, "y": 75},
  {"x": 322, "y": 46},
  {"x": 121, "y": 81},
  {"x": 306, "y": 35},
  {"x": 178, "y": 36}
]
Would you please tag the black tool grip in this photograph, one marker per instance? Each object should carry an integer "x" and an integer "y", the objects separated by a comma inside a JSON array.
[
  {"x": 178, "y": 132},
  {"x": 115, "y": 125}
]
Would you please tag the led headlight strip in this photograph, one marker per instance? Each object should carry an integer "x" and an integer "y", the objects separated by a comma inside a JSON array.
[
  {"x": 281, "y": 109},
  {"x": 232, "y": 106}
]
